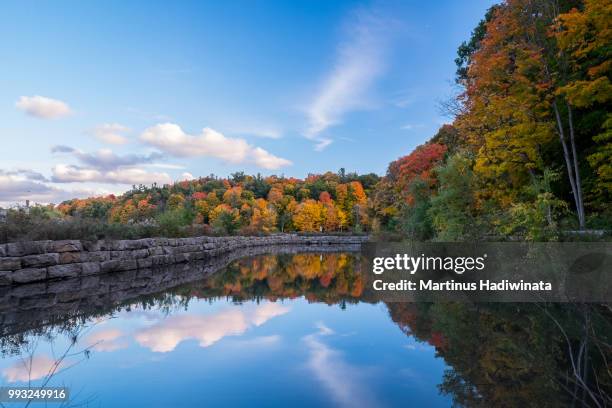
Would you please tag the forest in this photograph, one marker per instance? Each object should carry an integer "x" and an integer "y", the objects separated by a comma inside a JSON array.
[{"x": 527, "y": 155}]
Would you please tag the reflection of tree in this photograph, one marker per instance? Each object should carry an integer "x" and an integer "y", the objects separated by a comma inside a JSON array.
[
  {"x": 40, "y": 367},
  {"x": 328, "y": 278},
  {"x": 516, "y": 354}
]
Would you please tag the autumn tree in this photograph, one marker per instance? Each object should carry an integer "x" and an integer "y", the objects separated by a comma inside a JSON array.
[
  {"x": 225, "y": 219},
  {"x": 309, "y": 216},
  {"x": 264, "y": 216}
]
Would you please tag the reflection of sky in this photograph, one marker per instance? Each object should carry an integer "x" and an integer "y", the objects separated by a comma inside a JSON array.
[{"x": 266, "y": 354}]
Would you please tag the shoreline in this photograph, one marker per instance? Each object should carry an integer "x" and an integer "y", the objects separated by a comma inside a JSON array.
[{"x": 39, "y": 261}]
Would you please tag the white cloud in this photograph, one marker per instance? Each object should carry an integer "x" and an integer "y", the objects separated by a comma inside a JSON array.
[
  {"x": 66, "y": 173},
  {"x": 207, "y": 329},
  {"x": 359, "y": 62},
  {"x": 18, "y": 186},
  {"x": 111, "y": 133},
  {"x": 170, "y": 138},
  {"x": 187, "y": 176},
  {"x": 43, "y": 107}
]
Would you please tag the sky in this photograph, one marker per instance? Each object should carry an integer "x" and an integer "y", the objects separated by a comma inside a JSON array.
[{"x": 98, "y": 96}]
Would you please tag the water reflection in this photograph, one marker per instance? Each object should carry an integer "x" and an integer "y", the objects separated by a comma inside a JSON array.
[
  {"x": 208, "y": 329},
  {"x": 346, "y": 383},
  {"x": 263, "y": 324}
]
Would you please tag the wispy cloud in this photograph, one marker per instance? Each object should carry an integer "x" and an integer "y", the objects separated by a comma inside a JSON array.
[
  {"x": 43, "y": 107},
  {"x": 258, "y": 130},
  {"x": 111, "y": 133},
  {"x": 411, "y": 126},
  {"x": 171, "y": 139},
  {"x": 346, "y": 383},
  {"x": 360, "y": 61}
]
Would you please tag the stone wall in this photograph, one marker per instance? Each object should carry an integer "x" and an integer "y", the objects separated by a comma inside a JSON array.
[
  {"x": 36, "y": 305},
  {"x": 37, "y": 261}
]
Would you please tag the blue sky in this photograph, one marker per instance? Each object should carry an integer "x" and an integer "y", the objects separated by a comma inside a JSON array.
[{"x": 97, "y": 96}]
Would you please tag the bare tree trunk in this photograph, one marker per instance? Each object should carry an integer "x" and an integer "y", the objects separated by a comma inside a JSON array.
[
  {"x": 576, "y": 170},
  {"x": 570, "y": 168}
]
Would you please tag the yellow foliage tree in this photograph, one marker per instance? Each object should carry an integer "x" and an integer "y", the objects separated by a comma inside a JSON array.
[{"x": 309, "y": 216}]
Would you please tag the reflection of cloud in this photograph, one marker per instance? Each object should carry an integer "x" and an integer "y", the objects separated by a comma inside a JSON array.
[
  {"x": 29, "y": 369},
  {"x": 265, "y": 312},
  {"x": 260, "y": 341},
  {"x": 343, "y": 380},
  {"x": 207, "y": 329},
  {"x": 323, "y": 329},
  {"x": 106, "y": 340}
]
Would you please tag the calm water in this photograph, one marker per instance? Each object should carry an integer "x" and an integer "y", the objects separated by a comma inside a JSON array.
[{"x": 273, "y": 330}]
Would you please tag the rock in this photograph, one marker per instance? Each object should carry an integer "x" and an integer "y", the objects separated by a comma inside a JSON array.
[
  {"x": 90, "y": 268},
  {"x": 144, "y": 263},
  {"x": 70, "y": 257},
  {"x": 66, "y": 246},
  {"x": 156, "y": 251},
  {"x": 127, "y": 264},
  {"x": 178, "y": 258},
  {"x": 96, "y": 256},
  {"x": 119, "y": 254},
  {"x": 6, "y": 278},
  {"x": 120, "y": 245},
  {"x": 64, "y": 271},
  {"x": 29, "y": 275},
  {"x": 10, "y": 263},
  {"x": 26, "y": 248},
  {"x": 92, "y": 246},
  {"x": 109, "y": 266},
  {"x": 139, "y": 253},
  {"x": 39, "y": 260},
  {"x": 2, "y": 249}
]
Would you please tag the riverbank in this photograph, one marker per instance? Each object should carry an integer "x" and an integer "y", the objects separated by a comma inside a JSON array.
[
  {"x": 35, "y": 305},
  {"x": 36, "y": 261}
]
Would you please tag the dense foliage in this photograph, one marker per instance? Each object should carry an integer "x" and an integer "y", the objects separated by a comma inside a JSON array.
[
  {"x": 528, "y": 153},
  {"x": 240, "y": 204}
]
